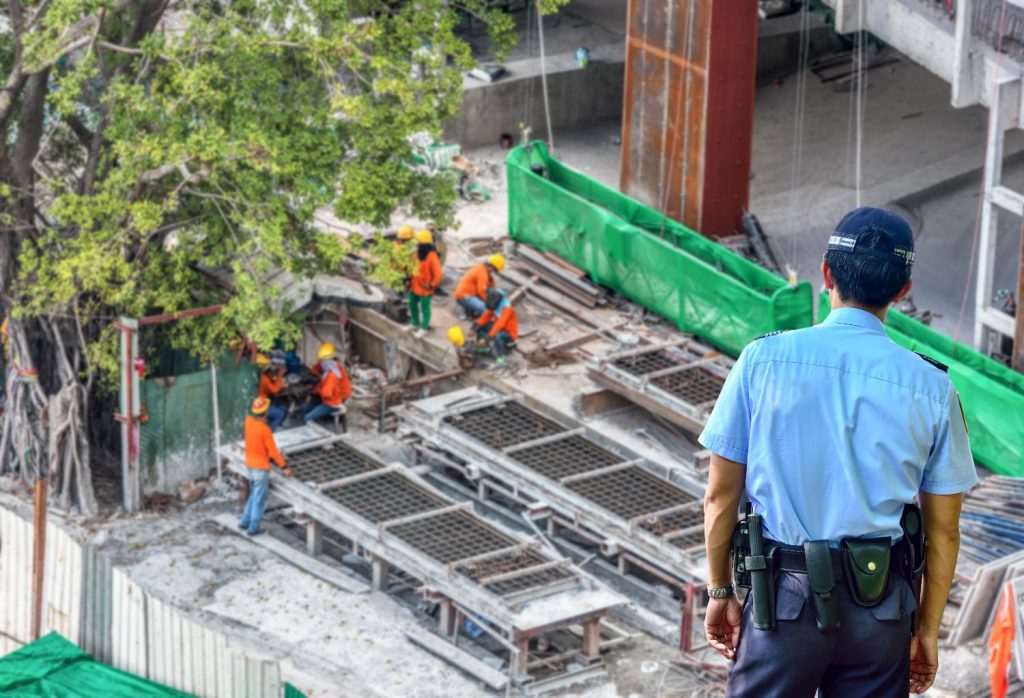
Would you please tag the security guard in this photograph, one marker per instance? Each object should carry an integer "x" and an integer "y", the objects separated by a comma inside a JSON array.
[{"x": 833, "y": 430}]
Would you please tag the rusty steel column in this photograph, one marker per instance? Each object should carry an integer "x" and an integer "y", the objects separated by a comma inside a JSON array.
[
  {"x": 688, "y": 114},
  {"x": 38, "y": 557}
]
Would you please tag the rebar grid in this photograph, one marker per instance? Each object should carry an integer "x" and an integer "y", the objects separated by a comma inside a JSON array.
[
  {"x": 511, "y": 563},
  {"x": 631, "y": 492},
  {"x": 507, "y": 424},
  {"x": 331, "y": 462},
  {"x": 689, "y": 540},
  {"x": 642, "y": 364},
  {"x": 675, "y": 521},
  {"x": 454, "y": 535},
  {"x": 385, "y": 497},
  {"x": 566, "y": 457},
  {"x": 695, "y": 386}
]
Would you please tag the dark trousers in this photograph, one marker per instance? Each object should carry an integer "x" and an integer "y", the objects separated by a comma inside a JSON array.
[
  {"x": 501, "y": 340},
  {"x": 868, "y": 656}
]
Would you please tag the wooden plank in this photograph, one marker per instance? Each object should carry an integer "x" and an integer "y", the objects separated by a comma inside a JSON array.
[
  {"x": 459, "y": 659},
  {"x": 523, "y": 288},
  {"x": 566, "y": 264},
  {"x": 298, "y": 559}
]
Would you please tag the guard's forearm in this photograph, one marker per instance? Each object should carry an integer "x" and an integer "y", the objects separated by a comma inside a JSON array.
[
  {"x": 720, "y": 516},
  {"x": 940, "y": 565}
]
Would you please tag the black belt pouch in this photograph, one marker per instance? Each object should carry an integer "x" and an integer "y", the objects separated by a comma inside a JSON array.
[
  {"x": 866, "y": 564},
  {"x": 823, "y": 584}
]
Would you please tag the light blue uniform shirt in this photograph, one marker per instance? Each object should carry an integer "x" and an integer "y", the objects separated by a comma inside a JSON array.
[{"x": 839, "y": 428}]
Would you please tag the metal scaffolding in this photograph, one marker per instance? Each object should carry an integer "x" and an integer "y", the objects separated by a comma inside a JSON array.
[
  {"x": 581, "y": 480},
  {"x": 679, "y": 381},
  {"x": 470, "y": 566}
]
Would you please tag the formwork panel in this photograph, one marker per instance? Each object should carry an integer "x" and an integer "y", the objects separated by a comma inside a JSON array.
[
  {"x": 642, "y": 364},
  {"x": 454, "y": 535},
  {"x": 566, "y": 457},
  {"x": 384, "y": 497},
  {"x": 331, "y": 462},
  {"x": 503, "y": 425},
  {"x": 695, "y": 386},
  {"x": 631, "y": 492},
  {"x": 511, "y": 563}
]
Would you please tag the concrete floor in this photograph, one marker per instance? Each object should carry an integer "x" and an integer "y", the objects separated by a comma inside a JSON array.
[{"x": 920, "y": 156}]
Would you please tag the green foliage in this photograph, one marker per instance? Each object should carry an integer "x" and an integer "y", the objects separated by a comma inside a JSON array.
[
  {"x": 390, "y": 263},
  {"x": 222, "y": 133}
]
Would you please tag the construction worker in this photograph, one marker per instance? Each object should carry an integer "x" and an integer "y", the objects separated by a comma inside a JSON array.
[
  {"x": 424, "y": 282},
  {"x": 271, "y": 382},
  {"x": 499, "y": 325},
  {"x": 471, "y": 293},
  {"x": 832, "y": 431},
  {"x": 332, "y": 389},
  {"x": 404, "y": 236},
  {"x": 260, "y": 450}
]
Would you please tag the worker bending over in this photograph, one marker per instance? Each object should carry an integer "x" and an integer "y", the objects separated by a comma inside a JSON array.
[
  {"x": 498, "y": 324},
  {"x": 471, "y": 293},
  {"x": 425, "y": 281},
  {"x": 271, "y": 382},
  {"x": 260, "y": 450},
  {"x": 331, "y": 390}
]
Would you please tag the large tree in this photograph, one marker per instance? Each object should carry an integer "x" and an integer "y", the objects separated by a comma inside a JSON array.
[{"x": 148, "y": 147}]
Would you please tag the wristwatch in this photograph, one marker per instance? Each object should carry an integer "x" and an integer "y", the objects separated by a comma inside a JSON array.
[{"x": 721, "y": 592}]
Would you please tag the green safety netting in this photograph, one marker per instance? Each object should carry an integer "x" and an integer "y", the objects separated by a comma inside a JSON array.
[
  {"x": 703, "y": 287},
  {"x": 51, "y": 667},
  {"x": 992, "y": 394}
]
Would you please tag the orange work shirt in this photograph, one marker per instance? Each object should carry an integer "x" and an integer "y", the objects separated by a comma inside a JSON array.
[
  {"x": 506, "y": 321},
  {"x": 475, "y": 282},
  {"x": 334, "y": 390},
  {"x": 260, "y": 447},
  {"x": 269, "y": 387},
  {"x": 428, "y": 276}
]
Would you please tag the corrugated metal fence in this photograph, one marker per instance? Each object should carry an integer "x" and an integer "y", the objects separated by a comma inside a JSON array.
[{"x": 95, "y": 605}]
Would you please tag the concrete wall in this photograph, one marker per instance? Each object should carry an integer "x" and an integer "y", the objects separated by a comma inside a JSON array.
[{"x": 578, "y": 96}]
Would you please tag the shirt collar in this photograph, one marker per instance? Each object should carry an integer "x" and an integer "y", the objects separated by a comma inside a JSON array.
[{"x": 855, "y": 317}]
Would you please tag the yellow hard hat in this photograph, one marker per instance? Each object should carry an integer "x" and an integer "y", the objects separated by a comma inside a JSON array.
[
  {"x": 326, "y": 351},
  {"x": 262, "y": 360},
  {"x": 456, "y": 337},
  {"x": 497, "y": 261},
  {"x": 260, "y": 405},
  {"x": 405, "y": 232},
  {"x": 424, "y": 237}
]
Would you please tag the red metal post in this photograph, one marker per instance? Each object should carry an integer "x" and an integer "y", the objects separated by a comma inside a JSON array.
[
  {"x": 38, "y": 556},
  {"x": 687, "y": 128}
]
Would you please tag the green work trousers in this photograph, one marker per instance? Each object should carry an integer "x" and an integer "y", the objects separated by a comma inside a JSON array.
[{"x": 419, "y": 306}]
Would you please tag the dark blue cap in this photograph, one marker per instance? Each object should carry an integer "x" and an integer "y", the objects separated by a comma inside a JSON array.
[{"x": 895, "y": 242}]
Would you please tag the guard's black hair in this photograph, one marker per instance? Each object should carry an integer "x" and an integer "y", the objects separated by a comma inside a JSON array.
[{"x": 864, "y": 279}]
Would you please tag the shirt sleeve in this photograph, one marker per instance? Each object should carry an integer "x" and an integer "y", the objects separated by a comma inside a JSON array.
[
  {"x": 950, "y": 467},
  {"x": 727, "y": 432}
]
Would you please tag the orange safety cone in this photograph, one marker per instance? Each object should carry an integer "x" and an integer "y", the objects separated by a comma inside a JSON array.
[{"x": 1000, "y": 643}]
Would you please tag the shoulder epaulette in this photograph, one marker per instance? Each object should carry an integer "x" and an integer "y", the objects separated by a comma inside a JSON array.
[
  {"x": 937, "y": 364},
  {"x": 770, "y": 334}
]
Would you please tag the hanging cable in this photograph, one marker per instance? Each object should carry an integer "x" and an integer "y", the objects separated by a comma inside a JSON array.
[
  {"x": 544, "y": 78},
  {"x": 861, "y": 76},
  {"x": 798, "y": 135}
]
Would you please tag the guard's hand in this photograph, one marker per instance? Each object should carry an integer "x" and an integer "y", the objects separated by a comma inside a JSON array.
[
  {"x": 924, "y": 662},
  {"x": 722, "y": 626}
]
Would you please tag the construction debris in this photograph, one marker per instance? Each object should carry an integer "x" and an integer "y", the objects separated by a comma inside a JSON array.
[{"x": 562, "y": 276}]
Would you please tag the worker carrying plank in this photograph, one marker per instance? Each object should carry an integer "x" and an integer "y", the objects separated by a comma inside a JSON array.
[
  {"x": 498, "y": 326},
  {"x": 471, "y": 293},
  {"x": 425, "y": 281},
  {"x": 833, "y": 431},
  {"x": 332, "y": 388},
  {"x": 260, "y": 450}
]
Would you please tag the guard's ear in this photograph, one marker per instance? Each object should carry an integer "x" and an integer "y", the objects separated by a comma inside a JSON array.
[
  {"x": 904, "y": 291},
  {"x": 826, "y": 274}
]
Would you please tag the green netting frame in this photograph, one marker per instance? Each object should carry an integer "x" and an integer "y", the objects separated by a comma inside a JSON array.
[{"x": 700, "y": 285}]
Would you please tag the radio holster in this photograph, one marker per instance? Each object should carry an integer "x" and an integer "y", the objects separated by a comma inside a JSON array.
[{"x": 822, "y": 579}]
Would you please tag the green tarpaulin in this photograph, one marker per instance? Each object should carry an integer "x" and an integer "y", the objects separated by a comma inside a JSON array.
[
  {"x": 703, "y": 287},
  {"x": 55, "y": 668},
  {"x": 992, "y": 394}
]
